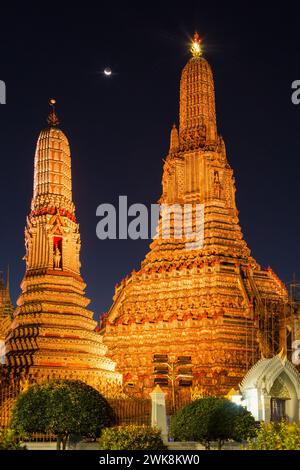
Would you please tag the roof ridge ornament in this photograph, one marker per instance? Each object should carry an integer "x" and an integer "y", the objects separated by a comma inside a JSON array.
[
  {"x": 282, "y": 356},
  {"x": 52, "y": 119},
  {"x": 196, "y": 46}
]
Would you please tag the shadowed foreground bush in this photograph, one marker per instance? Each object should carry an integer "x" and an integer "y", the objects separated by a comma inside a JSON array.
[{"x": 131, "y": 438}]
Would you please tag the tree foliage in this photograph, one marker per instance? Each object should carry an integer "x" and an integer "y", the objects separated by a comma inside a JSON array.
[
  {"x": 62, "y": 407},
  {"x": 131, "y": 438},
  {"x": 277, "y": 436},
  {"x": 10, "y": 440},
  {"x": 212, "y": 419}
]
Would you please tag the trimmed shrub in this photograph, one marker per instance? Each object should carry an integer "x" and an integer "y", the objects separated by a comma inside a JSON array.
[
  {"x": 62, "y": 407},
  {"x": 131, "y": 438},
  {"x": 212, "y": 419}
]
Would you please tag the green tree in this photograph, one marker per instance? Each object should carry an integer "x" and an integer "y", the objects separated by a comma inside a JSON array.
[
  {"x": 276, "y": 436},
  {"x": 62, "y": 407},
  {"x": 212, "y": 419},
  {"x": 131, "y": 437}
]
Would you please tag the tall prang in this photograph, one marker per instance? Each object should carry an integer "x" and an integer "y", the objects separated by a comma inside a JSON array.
[
  {"x": 52, "y": 334},
  {"x": 6, "y": 307},
  {"x": 207, "y": 313}
]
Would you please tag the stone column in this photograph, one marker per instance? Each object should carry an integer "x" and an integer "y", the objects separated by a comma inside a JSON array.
[
  {"x": 267, "y": 406},
  {"x": 159, "y": 414}
]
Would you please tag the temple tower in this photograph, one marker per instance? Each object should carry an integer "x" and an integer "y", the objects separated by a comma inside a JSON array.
[
  {"x": 52, "y": 334},
  {"x": 6, "y": 307},
  {"x": 206, "y": 310}
]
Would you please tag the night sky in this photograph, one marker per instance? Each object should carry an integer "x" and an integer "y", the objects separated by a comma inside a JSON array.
[{"x": 119, "y": 127}]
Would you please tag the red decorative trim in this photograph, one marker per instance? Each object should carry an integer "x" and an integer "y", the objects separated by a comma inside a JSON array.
[{"x": 53, "y": 211}]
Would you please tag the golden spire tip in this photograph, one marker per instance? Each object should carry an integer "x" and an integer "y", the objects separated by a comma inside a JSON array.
[
  {"x": 52, "y": 118},
  {"x": 196, "y": 46}
]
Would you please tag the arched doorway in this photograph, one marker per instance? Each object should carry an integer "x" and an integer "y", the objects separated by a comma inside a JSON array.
[{"x": 271, "y": 390}]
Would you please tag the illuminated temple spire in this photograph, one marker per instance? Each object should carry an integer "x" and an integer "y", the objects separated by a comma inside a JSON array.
[
  {"x": 52, "y": 167},
  {"x": 196, "y": 169},
  {"x": 197, "y": 114},
  {"x": 204, "y": 304},
  {"x": 53, "y": 333},
  {"x": 6, "y": 306}
]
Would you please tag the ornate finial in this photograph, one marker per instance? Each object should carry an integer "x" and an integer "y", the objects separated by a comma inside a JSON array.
[
  {"x": 196, "y": 46},
  {"x": 52, "y": 118}
]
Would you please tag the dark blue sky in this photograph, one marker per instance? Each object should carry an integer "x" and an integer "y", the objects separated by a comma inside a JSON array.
[{"x": 119, "y": 128}]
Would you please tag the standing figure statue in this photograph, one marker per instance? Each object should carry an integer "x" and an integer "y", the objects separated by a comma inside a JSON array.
[{"x": 57, "y": 258}]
